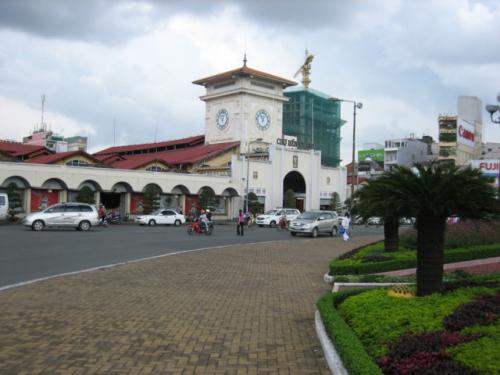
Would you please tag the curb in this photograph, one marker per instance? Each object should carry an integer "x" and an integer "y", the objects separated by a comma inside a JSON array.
[{"x": 332, "y": 357}]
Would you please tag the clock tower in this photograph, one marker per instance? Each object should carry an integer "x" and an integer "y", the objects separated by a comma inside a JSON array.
[{"x": 243, "y": 105}]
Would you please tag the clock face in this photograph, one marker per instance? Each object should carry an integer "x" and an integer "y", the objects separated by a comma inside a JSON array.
[
  {"x": 222, "y": 119},
  {"x": 262, "y": 120}
]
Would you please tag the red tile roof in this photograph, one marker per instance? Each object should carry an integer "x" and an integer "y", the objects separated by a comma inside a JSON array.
[
  {"x": 187, "y": 142},
  {"x": 53, "y": 158},
  {"x": 173, "y": 157},
  {"x": 244, "y": 71},
  {"x": 21, "y": 149}
]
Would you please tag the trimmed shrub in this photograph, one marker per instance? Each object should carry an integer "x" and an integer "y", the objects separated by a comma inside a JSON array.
[
  {"x": 406, "y": 259},
  {"x": 350, "y": 349},
  {"x": 466, "y": 233},
  {"x": 483, "y": 310},
  {"x": 454, "y": 285},
  {"x": 376, "y": 258}
]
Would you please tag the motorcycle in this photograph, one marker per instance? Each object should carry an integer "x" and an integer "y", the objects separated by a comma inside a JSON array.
[
  {"x": 198, "y": 228},
  {"x": 113, "y": 218}
]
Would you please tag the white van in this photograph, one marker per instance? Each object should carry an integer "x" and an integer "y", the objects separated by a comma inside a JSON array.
[{"x": 4, "y": 206}]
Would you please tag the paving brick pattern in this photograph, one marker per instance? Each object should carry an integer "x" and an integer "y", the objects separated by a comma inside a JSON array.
[{"x": 246, "y": 309}]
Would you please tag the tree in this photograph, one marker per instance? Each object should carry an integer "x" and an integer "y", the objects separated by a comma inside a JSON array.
[
  {"x": 15, "y": 203},
  {"x": 433, "y": 193},
  {"x": 207, "y": 198},
  {"x": 335, "y": 202},
  {"x": 85, "y": 195},
  {"x": 253, "y": 203},
  {"x": 370, "y": 200},
  {"x": 151, "y": 198},
  {"x": 289, "y": 201}
]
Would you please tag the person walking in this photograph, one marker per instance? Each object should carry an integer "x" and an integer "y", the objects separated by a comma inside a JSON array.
[
  {"x": 346, "y": 221},
  {"x": 241, "y": 223}
]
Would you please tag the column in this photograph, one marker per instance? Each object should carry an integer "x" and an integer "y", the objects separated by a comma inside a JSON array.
[
  {"x": 128, "y": 200},
  {"x": 97, "y": 198},
  {"x": 27, "y": 200},
  {"x": 63, "y": 196}
]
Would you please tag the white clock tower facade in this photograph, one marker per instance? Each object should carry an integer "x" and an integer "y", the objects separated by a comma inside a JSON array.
[{"x": 243, "y": 105}]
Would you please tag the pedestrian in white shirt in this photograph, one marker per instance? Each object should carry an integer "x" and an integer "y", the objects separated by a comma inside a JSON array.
[{"x": 345, "y": 224}]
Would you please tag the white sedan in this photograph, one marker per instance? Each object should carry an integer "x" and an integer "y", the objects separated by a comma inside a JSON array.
[{"x": 161, "y": 216}]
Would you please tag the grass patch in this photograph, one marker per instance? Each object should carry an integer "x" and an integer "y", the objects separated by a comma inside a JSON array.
[
  {"x": 378, "y": 319},
  {"x": 481, "y": 354}
]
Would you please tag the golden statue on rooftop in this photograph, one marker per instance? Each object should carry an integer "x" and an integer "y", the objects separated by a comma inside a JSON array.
[{"x": 305, "y": 69}]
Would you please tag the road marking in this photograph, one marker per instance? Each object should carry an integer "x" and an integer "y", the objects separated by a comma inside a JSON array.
[{"x": 23, "y": 283}]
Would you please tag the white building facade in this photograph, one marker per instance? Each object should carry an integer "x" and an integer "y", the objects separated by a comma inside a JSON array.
[{"x": 243, "y": 105}]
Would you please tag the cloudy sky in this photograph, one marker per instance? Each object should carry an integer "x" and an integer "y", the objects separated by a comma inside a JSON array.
[{"x": 131, "y": 63}]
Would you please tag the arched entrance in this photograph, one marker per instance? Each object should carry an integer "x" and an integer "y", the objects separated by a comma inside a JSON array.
[{"x": 294, "y": 190}]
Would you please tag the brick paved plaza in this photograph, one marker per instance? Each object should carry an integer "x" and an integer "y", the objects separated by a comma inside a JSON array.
[{"x": 244, "y": 309}]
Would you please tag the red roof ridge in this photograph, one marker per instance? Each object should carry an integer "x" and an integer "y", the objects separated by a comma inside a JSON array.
[
  {"x": 116, "y": 149},
  {"x": 244, "y": 70},
  {"x": 51, "y": 158}
]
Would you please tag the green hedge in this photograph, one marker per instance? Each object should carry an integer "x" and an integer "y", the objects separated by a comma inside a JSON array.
[
  {"x": 354, "y": 357},
  {"x": 460, "y": 254}
]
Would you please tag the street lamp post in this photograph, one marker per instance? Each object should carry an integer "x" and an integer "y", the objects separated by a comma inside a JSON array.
[
  {"x": 492, "y": 108},
  {"x": 356, "y": 105}
]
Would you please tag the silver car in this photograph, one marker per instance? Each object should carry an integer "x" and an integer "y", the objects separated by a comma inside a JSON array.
[
  {"x": 81, "y": 216},
  {"x": 314, "y": 223}
]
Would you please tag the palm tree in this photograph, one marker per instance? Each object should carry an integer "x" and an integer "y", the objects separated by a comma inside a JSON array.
[
  {"x": 371, "y": 200},
  {"x": 433, "y": 193}
]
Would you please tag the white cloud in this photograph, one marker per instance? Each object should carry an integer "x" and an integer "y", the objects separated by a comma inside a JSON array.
[
  {"x": 18, "y": 119},
  {"x": 406, "y": 61}
]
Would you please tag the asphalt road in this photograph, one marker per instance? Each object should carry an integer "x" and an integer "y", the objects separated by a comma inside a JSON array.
[{"x": 26, "y": 255}]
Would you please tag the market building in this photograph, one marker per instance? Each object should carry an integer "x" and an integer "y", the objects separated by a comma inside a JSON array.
[{"x": 245, "y": 149}]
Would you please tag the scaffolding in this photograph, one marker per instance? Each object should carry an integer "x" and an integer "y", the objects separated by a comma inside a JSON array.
[{"x": 310, "y": 116}]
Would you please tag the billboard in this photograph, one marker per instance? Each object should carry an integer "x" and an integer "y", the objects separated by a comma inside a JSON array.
[
  {"x": 368, "y": 155},
  {"x": 489, "y": 167},
  {"x": 465, "y": 133}
]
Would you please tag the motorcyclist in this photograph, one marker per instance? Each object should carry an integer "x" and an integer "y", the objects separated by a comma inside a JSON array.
[
  {"x": 283, "y": 223},
  {"x": 203, "y": 219},
  {"x": 102, "y": 214}
]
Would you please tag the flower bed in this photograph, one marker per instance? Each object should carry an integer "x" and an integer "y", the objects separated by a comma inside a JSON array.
[
  {"x": 457, "y": 332},
  {"x": 373, "y": 258}
]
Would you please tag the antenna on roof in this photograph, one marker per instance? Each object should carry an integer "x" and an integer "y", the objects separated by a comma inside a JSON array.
[
  {"x": 42, "y": 124},
  {"x": 245, "y": 59}
]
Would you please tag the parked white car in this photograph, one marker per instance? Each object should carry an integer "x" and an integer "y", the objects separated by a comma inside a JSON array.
[
  {"x": 272, "y": 218},
  {"x": 81, "y": 216},
  {"x": 4, "y": 206},
  {"x": 162, "y": 216}
]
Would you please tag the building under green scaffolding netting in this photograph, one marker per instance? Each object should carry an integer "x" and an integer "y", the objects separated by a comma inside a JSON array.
[{"x": 314, "y": 119}]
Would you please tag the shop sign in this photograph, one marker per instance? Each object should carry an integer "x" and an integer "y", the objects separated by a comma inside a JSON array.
[
  {"x": 368, "y": 155},
  {"x": 488, "y": 167},
  {"x": 293, "y": 143},
  {"x": 465, "y": 133}
]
